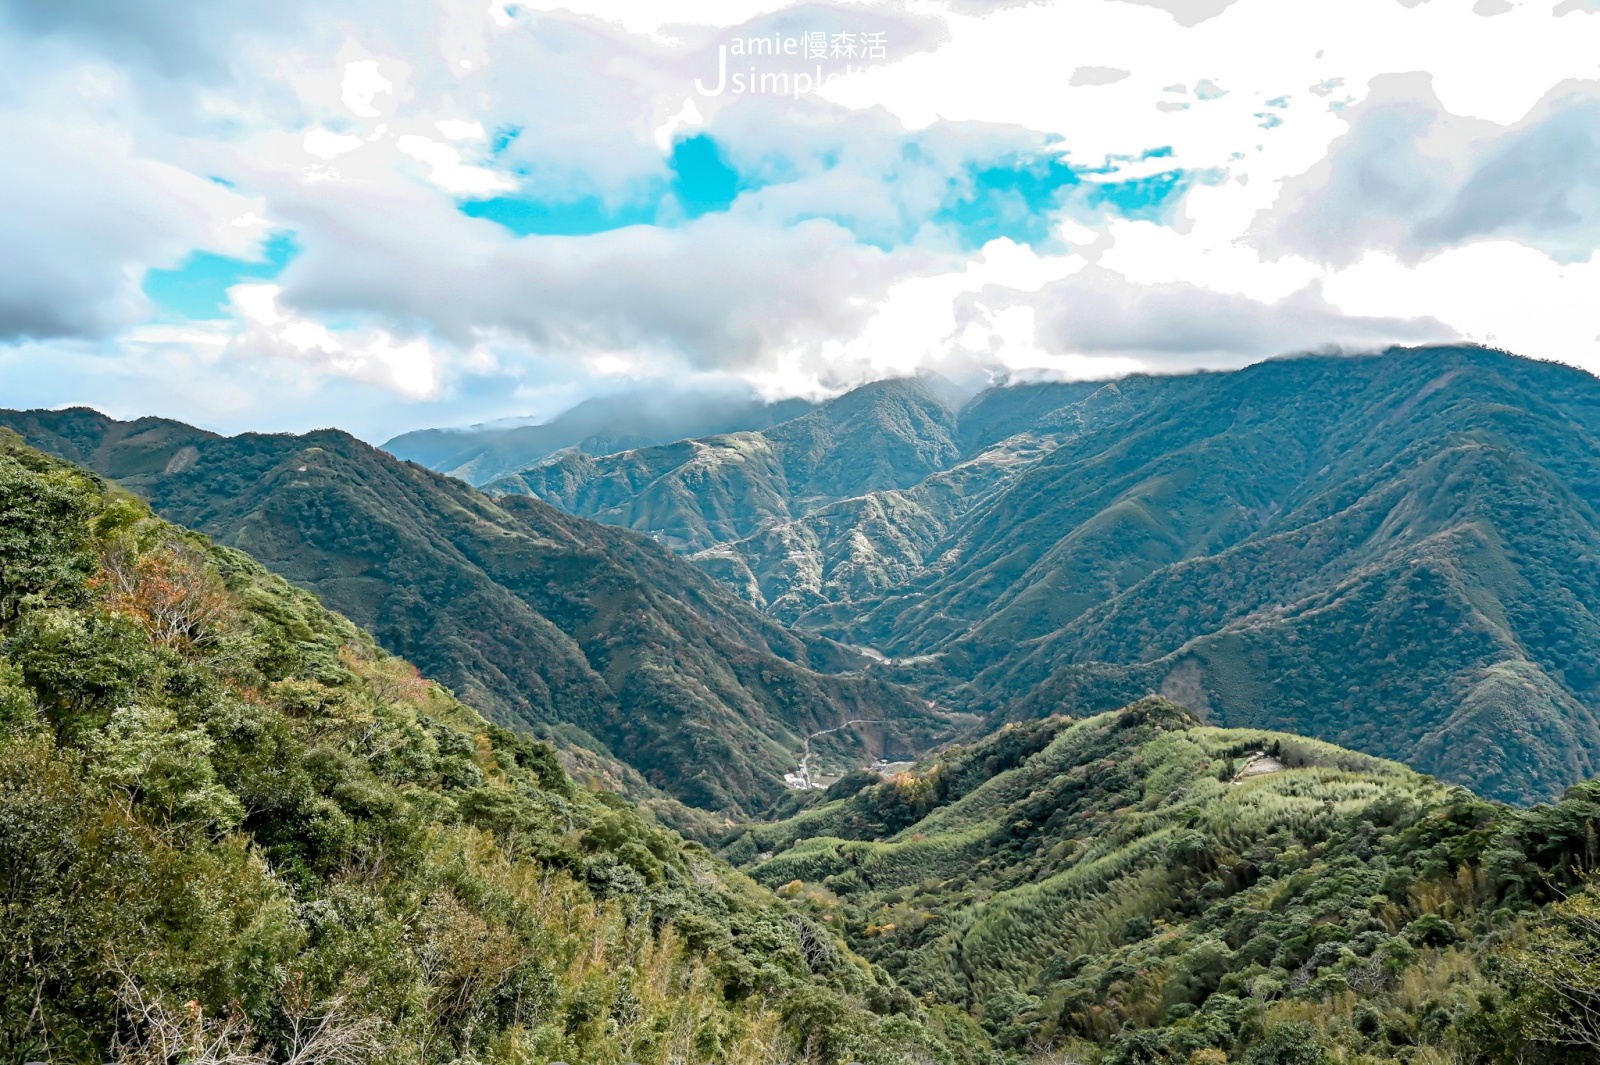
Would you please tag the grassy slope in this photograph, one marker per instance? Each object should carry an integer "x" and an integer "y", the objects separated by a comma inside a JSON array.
[
  {"x": 584, "y": 632},
  {"x": 213, "y": 830},
  {"x": 1105, "y": 880}
]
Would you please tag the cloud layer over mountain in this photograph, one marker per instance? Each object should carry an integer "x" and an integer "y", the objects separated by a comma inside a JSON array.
[{"x": 387, "y": 215}]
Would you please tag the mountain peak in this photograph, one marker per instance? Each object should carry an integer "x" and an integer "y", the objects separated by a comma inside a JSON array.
[{"x": 1236, "y": 540}]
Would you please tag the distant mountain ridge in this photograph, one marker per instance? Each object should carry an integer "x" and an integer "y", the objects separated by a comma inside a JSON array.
[
  {"x": 1399, "y": 553},
  {"x": 576, "y": 630},
  {"x": 599, "y": 426},
  {"x": 692, "y": 494}
]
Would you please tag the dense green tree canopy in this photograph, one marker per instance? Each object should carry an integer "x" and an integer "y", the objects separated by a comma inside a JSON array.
[
  {"x": 1140, "y": 889},
  {"x": 233, "y": 829}
]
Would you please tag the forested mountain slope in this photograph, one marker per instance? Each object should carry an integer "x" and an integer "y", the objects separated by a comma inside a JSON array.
[
  {"x": 695, "y": 493},
  {"x": 587, "y": 633},
  {"x": 1400, "y": 553},
  {"x": 234, "y": 830},
  {"x": 1147, "y": 889}
]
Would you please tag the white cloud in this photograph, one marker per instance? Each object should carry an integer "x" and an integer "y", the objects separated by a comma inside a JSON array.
[
  {"x": 459, "y": 129},
  {"x": 1411, "y": 178},
  {"x": 688, "y": 115},
  {"x": 1188, "y": 12},
  {"x": 725, "y": 290},
  {"x": 327, "y": 145},
  {"x": 1494, "y": 292},
  {"x": 653, "y": 16},
  {"x": 1180, "y": 325},
  {"x": 362, "y": 85},
  {"x": 85, "y": 216},
  {"x": 1023, "y": 313},
  {"x": 1097, "y": 76},
  {"x": 373, "y": 355},
  {"x": 448, "y": 171},
  {"x": 1380, "y": 207}
]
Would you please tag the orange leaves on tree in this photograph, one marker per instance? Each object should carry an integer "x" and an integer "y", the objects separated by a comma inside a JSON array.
[{"x": 169, "y": 591}]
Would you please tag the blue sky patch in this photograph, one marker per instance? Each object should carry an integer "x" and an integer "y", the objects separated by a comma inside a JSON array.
[
  {"x": 1018, "y": 197},
  {"x": 502, "y": 138},
  {"x": 701, "y": 181},
  {"x": 198, "y": 287},
  {"x": 569, "y": 218},
  {"x": 1145, "y": 199},
  {"x": 1020, "y": 200},
  {"x": 1014, "y": 200}
]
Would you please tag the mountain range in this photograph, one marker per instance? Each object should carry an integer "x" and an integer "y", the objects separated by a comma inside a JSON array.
[
  {"x": 233, "y": 831},
  {"x": 231, "y": 820},
  {"x": 573, "y": 630},
  {"x": 597, "y": 426},
  {"x": 1398, "y": 552}
]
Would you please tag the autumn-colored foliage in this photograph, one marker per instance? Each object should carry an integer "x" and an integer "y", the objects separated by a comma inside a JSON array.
[{"x": 168, "y": 590}]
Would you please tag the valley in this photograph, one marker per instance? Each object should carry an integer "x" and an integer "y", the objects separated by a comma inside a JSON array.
[
  {"x": 1164, "y": 721},
  {"x": 657, "y": 681},
  {"x": 990, "y": 532},
  {"x": 1397, "y": 553}
]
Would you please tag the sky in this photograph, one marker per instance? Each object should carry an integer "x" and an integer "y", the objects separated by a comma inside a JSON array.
[{"x": 383, "y": 216}]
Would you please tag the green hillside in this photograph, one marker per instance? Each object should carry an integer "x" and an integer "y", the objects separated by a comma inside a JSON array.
[
  {"x": 234, "y": 830},
  {"x": 824, "y": 569},
  {"x": 696, "y": 493},
  {"x": 582, "y": 633},
  {"x": 1136, "y": 887},
  {"x": 1399, "y": 553}
]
